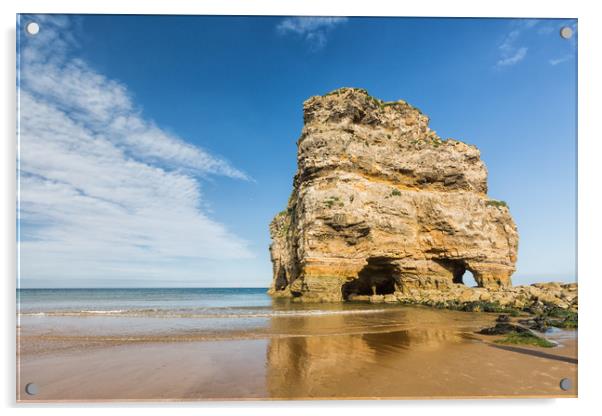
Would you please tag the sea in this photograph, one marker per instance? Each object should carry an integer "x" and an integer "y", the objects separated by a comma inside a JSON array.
[
  {"x": 165, "y": 310},
  {"x": 200, "y": 302}
]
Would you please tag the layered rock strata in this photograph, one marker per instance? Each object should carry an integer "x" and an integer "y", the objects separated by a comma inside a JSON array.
[{"x": 382, "y": 206}]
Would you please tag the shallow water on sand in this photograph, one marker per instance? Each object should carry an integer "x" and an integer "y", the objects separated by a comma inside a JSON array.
[{"x": 182, "y": 344}]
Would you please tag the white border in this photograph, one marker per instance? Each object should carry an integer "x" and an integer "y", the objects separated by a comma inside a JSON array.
[{"x": 590, "y": 184}]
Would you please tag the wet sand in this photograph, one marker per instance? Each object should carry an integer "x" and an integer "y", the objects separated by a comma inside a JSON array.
[{"x": 401, "y": 352}]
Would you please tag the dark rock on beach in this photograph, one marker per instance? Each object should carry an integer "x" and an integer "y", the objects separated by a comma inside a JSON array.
[{"x": 503, "y": 329}]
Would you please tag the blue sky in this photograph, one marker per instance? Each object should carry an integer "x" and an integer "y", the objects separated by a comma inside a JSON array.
[{"x": 175, "y": 137}]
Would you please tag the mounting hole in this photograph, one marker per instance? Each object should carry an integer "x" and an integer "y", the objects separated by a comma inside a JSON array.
[
  {"x": 566, "y": 32},
  {"x": 32, "y": 28},
  {"x": 31, "y": 389},
  {"x": 566, "y": 384}
]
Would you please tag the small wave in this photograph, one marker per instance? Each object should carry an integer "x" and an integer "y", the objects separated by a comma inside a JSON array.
[
  {"x": 75, "y": 313},
  {"x": 320, "y": 312},
  {"x": 166, "y": 313},
  {"x": 117, "y": 311}
]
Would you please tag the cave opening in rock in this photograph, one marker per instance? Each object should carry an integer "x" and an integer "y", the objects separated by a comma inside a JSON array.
[
  {"x": 378, "y": 277},
  {"x": 460, "y": 273}
]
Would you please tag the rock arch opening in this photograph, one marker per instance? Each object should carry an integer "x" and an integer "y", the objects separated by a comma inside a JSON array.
[
  {"x": 461, "y": 274},
  {"x": 468, "y": 279},
  {"x": 379, "y": 277}
]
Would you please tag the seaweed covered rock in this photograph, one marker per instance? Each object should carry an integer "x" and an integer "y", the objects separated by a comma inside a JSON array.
[{"x": 382, "y": 206}]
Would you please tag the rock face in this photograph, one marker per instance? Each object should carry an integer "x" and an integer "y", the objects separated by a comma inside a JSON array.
[{"x": 381, "y": 206}]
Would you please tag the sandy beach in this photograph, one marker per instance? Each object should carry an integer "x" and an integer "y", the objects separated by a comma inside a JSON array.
[{"x": 387, "y": 353}]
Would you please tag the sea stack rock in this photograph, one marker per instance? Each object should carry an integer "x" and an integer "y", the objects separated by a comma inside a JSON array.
[{"x": 382, "y": 206}]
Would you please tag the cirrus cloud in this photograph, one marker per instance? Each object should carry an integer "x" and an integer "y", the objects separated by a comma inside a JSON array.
[
  {"x": 105, "y": 193},
  {"x": 314, "y": 30},
  {"x": 510, "y": 50}
]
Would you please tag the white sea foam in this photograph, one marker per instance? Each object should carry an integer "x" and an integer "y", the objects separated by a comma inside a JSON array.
[{"x": 167, "y": 313}]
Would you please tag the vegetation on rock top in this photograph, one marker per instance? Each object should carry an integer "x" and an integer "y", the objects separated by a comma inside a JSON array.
[
  {"x": 381, "y": 103},
  {"x": 496, "y": 203}
]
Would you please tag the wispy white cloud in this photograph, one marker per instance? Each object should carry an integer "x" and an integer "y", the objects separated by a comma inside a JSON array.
[
  {"x": 313, "y": 29},
  {"x": 557, "y": 61},
  {"x": 105, "y": 193},
  {"x": 510, "y": 49},
  {"x": 515, "y": 57}
]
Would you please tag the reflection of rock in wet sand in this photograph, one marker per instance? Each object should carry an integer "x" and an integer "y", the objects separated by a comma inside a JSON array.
[
  {"x": 298, "y": 366},
  {"x": 306, "y": 365},
  {"x": 415, "y": 339}
]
